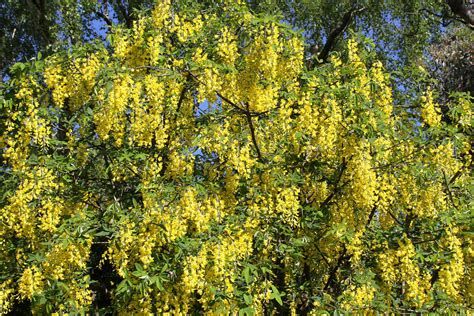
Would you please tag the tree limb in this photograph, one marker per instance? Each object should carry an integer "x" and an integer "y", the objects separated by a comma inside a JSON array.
[
  {"x": 336, "y": 185},
  {"x": 463, "y": 10},
  {"x": 104, "y": 17},
  {"x": 252, "y": 132},
  {"x": 168, "y": 140},
  {"x": 336, "y": 32},
  {"x": 456, "y": 175},
  {"x": 226, "y": 99},
  {"x": 125, "y": 13},
  {"x": 333, "y": 272},
  {"x": 37, "y": 5},
  {"x": 450, "y": 194},
  {"x": 344, "y": 256}
]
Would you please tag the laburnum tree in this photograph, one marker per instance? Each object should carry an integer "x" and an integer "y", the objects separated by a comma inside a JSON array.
[{"x": 195, "y": 164}]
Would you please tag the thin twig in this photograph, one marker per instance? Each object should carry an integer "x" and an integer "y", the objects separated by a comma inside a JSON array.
[
  {"x": 336, "y": 32},
  {"x": 105, "y": 18},
  {"x": 450, "y": 194},
  {"x": 322, "y": 255},
  {"x": 226, "y": 99},
  {"x": 336, "y": 185},
  {"x": 456, "y": 175},
  {"x": 332, "y": 275},
  {"x": 252, "y": 132},
  {"x": 395, "y": 218}
]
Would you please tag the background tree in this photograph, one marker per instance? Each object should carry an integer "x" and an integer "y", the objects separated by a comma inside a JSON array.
[{"x": 451, "y": 63}]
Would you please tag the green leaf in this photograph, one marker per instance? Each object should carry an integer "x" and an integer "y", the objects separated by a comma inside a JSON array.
[
  {"x": 248, "y": 299},
  {"x": 102, "y": 233},
  {"x": 246, "y": 274},
  {"x": 157, "y": 281},
  {"x": 122, "y": 287},
  {"x": 275, "y": 295},
  {"x": 246, "y": 311}
]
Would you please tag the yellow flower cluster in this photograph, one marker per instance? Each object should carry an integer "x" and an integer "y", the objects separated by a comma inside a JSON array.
[
  {"x": 430, "y": 202},
  {"x": 240, "y": 159},
  {"x": 200, "y": 215},
  {"x": 214, "y": 266},
  {"x": 321, "y": 124},
  {"x": 361, "y": 89},
  {"x": 82, "y": 81},
  {"x": 131, "y": 50},
  {"x": 206, "y": 155},
  {"x": 30, "y": 283},
  {"x": 21, "y": 217},
  {"x": 51, "y": 211},
  {"x": 54, "y": 78},
  {"x": 293, "y": 65},
  {"x": 400, "y": 266},
  {"x": 443, "y": 158},
  {"x": 77, "y": 295},
  {"x": 30, "y": 126},
  {"x": 287, "y": 205},
  {"x": 452, "y": 272},
  {"x": 386, "y": 193},
  {"x": 110, "y": 119},
  {"x": 227, "y": 46},
  {"x": 73, "y": 81},
  {"x": 180, "y": 165},
  {"x": 358, "y": 297},
  {"x": 429, "y": 110},
  {"x": 186, "y": 29},
  {"x": 353, "y": 51},
  {"x": 150, "y": 173},
  {"x": 6, "y": 296},
  {"x": 382, "y": 97},
  {"x": 161, "y": 13},
  {"x": 467, "y": 112},
  {"x": 118, "y": 252},
  {"x": 62, "y": 260},
  {"x": 265, "y": 52},
  {"x": 363, "y": 184},
  {"x": 355, "y": 247},
  {"x": 147, "y": 121}
]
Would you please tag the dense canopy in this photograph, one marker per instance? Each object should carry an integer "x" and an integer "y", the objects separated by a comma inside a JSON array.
[{"x": 196, "y": 162}]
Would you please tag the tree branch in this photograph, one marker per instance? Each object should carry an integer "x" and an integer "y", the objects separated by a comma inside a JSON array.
[
  {"x": 463, "y": 10},
  {"x": 37, "y": 5},
  {"x": 332, "y": 275},
  {"x": 224, "y": 98},
  {"x": 450, "y": 194},
  {"x": 343, "y": 256},
  {"x": 455, "y": 177},
  {"x": 445, "y": 18},
  {"x": 252, "y": 132},
  {"x": 168, "y": 140},
  {"x": 217, "y": 92},
  {"x": 43, "y": 22},
  {"x": 322, "y": 255},
  {"x": 335, "y": 33},
  {"x": 105, "y": 18},
  {"x": 229, "y": 102},
  {"x": 336, "y": 185},
  {"x": 395, "y": 218},
  {"x": 125, "y": 13}
]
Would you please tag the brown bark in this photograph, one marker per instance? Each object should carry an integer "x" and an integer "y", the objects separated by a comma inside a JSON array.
[
  {"x": 463, "y": 10},
  {"x": 336, "y": 32}
]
